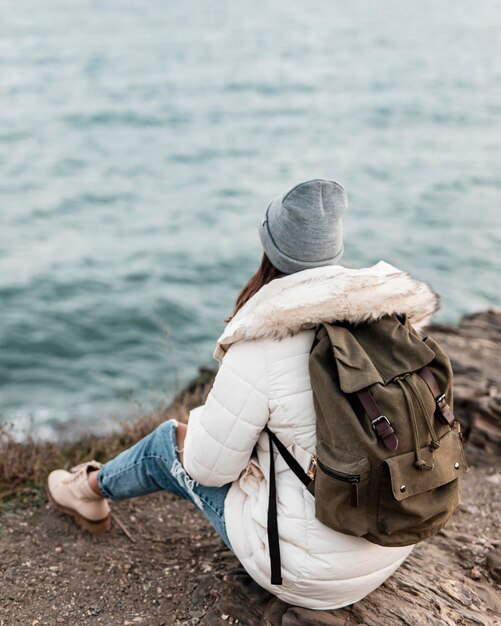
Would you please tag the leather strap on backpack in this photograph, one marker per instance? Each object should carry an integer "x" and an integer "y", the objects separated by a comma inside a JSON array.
[
  {"x": 380, "y": 423},
  {"x": 273, "y": 538},
  {"x": 440, "y": 399}
]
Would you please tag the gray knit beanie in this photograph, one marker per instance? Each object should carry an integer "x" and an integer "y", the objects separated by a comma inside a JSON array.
[{"x": 303, "y": 228}]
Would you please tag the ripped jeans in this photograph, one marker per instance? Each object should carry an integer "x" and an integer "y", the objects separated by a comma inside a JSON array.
[{"x": 151, "y": 465}]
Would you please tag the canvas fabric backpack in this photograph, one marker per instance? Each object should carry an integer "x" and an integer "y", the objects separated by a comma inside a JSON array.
[{"x": 389, "y": 451}]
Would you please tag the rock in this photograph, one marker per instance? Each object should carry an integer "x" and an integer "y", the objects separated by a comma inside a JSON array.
[
  {"x": 494, "y": 479},
  {"x": 474, "y": 349},
  {"x": 493, "y": 562},
  {"x": 475, "y": 573},
  {"x": 304, "y": 617}
]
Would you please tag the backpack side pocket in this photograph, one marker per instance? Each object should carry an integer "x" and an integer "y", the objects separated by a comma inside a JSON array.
[{"x": 341, "y": 490}]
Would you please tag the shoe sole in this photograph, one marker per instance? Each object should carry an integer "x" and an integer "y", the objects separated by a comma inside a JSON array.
[{"x": 91, "y": 526}]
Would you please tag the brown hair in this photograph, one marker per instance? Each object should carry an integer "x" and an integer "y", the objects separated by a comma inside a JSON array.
[{"x": 266, "y": 272}]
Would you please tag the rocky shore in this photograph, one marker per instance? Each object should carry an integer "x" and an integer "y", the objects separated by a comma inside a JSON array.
[{"x": 163, "y": 564}]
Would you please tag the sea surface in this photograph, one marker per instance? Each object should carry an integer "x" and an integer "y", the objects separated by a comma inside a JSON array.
[{"x": 140, "y": 143}]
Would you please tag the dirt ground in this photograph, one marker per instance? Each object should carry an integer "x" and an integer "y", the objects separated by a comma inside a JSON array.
[{"x": 53, "y": 573}]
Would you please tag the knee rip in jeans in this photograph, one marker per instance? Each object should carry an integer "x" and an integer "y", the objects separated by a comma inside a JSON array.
[{"x": 179, "y": 473}]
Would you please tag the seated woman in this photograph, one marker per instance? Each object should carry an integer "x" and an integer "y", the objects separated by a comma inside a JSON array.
[{"x": 221, "y": 461}]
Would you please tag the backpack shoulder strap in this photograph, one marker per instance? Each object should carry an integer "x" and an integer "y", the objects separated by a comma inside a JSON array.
[
  {"x": 273, "y": 537},
  {"x": 273, "y": 540},
  {"x": 288, "y": 458}
]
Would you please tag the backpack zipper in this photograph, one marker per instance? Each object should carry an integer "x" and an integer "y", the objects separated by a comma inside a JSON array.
[{"x": 353, "y": 479}]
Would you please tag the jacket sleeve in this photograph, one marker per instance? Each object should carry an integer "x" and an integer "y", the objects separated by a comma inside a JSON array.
[{"x": 223, "y": 432}]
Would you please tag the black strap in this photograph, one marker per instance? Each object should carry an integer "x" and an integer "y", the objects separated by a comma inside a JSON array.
[
  {"x": 273, "y": 539},
  {"x": 289, "y": 459},
  {"x": 273, "y": 543}
]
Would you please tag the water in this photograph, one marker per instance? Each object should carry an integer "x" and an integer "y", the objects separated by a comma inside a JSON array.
[{"x": 140, "y": 144}]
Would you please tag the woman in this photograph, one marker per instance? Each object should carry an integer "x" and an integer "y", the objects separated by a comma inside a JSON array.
[{"x": 221, "y": 460}]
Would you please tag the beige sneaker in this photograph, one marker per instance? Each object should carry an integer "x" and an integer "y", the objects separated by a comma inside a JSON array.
[{"x": 70, "y": 493}]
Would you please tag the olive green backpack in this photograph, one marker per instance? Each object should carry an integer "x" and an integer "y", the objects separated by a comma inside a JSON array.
[{"x": 389, "y": 450}]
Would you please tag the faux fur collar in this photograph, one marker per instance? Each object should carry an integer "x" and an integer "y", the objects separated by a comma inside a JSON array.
[{"x": 326, "y": 294}]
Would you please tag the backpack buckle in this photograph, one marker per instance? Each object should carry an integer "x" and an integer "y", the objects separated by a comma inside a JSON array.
[
  {"x": 380, "y": 423},
  {"x": 313, "y": 468},
  {"x": 384, "y": 431},
  {"x": 445, "y": 410},
  {"x": 440, "y": 400},
  {"x": 376, "y": 421}
]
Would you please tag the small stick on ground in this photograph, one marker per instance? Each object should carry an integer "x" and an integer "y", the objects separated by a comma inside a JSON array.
[{"x": 122, "y": 527}]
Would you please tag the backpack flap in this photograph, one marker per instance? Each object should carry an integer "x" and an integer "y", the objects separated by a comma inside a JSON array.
[
  {"x": 375, "y": 352},
  {"x": 448, "y": 462},
  {"x": 355, "y": 368}
]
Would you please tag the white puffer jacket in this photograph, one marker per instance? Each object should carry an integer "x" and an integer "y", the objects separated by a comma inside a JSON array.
[{"x": 263, "y": 379}]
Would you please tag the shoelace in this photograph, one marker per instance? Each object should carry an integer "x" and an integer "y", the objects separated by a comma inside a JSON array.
[{"x": 78, "y": 470}]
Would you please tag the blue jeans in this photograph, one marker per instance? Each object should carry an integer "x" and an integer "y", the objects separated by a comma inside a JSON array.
[{"x": 152, "y": 464}]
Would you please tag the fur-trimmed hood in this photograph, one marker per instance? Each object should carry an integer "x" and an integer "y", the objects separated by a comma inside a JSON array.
[{"x": 330, "y": 293}]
